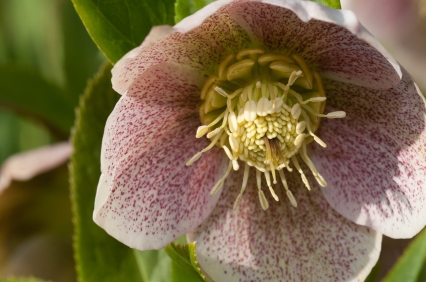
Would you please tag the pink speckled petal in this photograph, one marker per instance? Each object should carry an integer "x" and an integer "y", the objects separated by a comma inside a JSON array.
[
  {"x": 331, "y": 41},
  {"x": 188, "y": 50},
  {"x": 214, "y": 24},
  {"x": 146, "y": 195},
  {"x": 375, "y": 162},
  {"x": 156, "y": 33},
  {"x": 309, "y": 243}
]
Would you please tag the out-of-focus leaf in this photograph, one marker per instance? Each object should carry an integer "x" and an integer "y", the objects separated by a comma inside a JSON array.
[
  {"x": 81, "y": 57},
  {"x": 19, "y": 279},
  {"x": 335, "y": 4},
  {"x": 27, "y": 93},
  {"x": 372, "y": 277},
  {"x": 20, "y": 134},
  {"x": 184, "y": 8},
  {"x": 33, "y": 36},
  {"x": 411, "y": 267},
  {"x": 99, "y": 257},
  {"x": 155, "y": 265},
  {"x": 184, "y": 264},
  {"x": 117, "y": 26}
]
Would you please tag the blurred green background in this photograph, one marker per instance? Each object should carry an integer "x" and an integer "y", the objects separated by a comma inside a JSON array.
[
  {"x": 42, "y": 43},
  {"x": 46, "y": 59}
]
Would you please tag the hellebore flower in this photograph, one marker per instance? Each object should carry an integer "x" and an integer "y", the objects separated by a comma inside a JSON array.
[
  {"x": 233, "y": 100},
  {"x": 400, "y": 27}
]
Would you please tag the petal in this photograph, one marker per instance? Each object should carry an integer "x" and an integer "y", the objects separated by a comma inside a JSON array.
[
  {"x": 146, "y": 195},
  {"x": 214, "y": 24},
  {"x": 331, "y": 41},
  {"x": 156, "y": 33},
  {"x": 375, "y": 162},
  {"x": 309, "y": 243},
  {"x": 26, "y": 165},
  {"x": 188, "y": 50}
]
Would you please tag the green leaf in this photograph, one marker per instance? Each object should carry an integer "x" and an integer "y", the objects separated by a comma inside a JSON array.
[
  {"x": 117, "y": 26},
  {"x": 155, "y": 265},
  {"x": 81, "y": 57},
  {"x": 21, "y": 279},
  {"x": 335, "y": 4},
  {"x": 27, "y": 93},
  {"x": 99, "y": 257},
  {"x": 184, "y": 8},
  {"x": 184, "y": 264},
  {"x": 411, "y": 267}
]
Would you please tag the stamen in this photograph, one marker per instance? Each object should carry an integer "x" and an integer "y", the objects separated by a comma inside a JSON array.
[
  {"x": 217, "y": 186},
  {"x": 291, "y": 198},
  {"x": 294, "y": 75},
  {"x": 285, "y": 88},
  {"x": 221, "y": 91},
  {"x": 300, "y": 127},
  {"x": 268, "y": 181},
  {"x": 201, "y": 130},
  {"x": 235, "y": 165},
  {"x": 233, "y": 123},
  {"x": 198, "y": 155},
  {"x": 244, "y": 185},
  {"x": 228, "y": 153},
  {"x": 269, "y": 157},
  {"x": 297, "y": 166},
  {"x": 309, "y": 163},
  {"x": 314, "y": 100},
  {"x": 308, "y": 125},
  {"x": 337, "y": 114},
  {"x": 300, "y": 99},
  {"x": 250, "y": 111},
  {"x": 283, "y": 179},
  {"x": 263, "y": 201},
  {"x": 299, "y": 139},
  {"x": 216, "y": 131},
  {"x": 296, "y": 111}
]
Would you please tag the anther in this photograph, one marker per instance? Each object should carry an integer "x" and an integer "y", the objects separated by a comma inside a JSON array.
[
  {"x": 338, "y": 114},
  {"x": 244, "y": 185},
  {"x": 296, "y": 111},
  {"x": 291, "y": 198},
  {"x": 309, "y": 163},
  {"x": 299, "y": 139},
  {"x": 217, "y": 186},
  {"x": 201, "y": 130},
  {"x": 198, "y": 155},
  {"x": 250, "y": 110},
  {"x": 300, "y": 127},
  {"x": 302, "y": 175},
  {"x": 268, "y": 181},
  {"x": 221, "y": 91},
  {"x": 262, "y": 199}
]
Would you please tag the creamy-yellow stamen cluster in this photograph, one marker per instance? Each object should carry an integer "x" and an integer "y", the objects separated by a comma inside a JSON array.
[{"x": 263, "y": 109}]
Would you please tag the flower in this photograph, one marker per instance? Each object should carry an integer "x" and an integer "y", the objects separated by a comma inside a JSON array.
[
  {"x": 400, "y": 27},
  {"x": 226, "y": 70}
]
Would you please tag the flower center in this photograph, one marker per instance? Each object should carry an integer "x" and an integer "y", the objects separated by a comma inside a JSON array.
[{"x": 263, "y": 109}]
